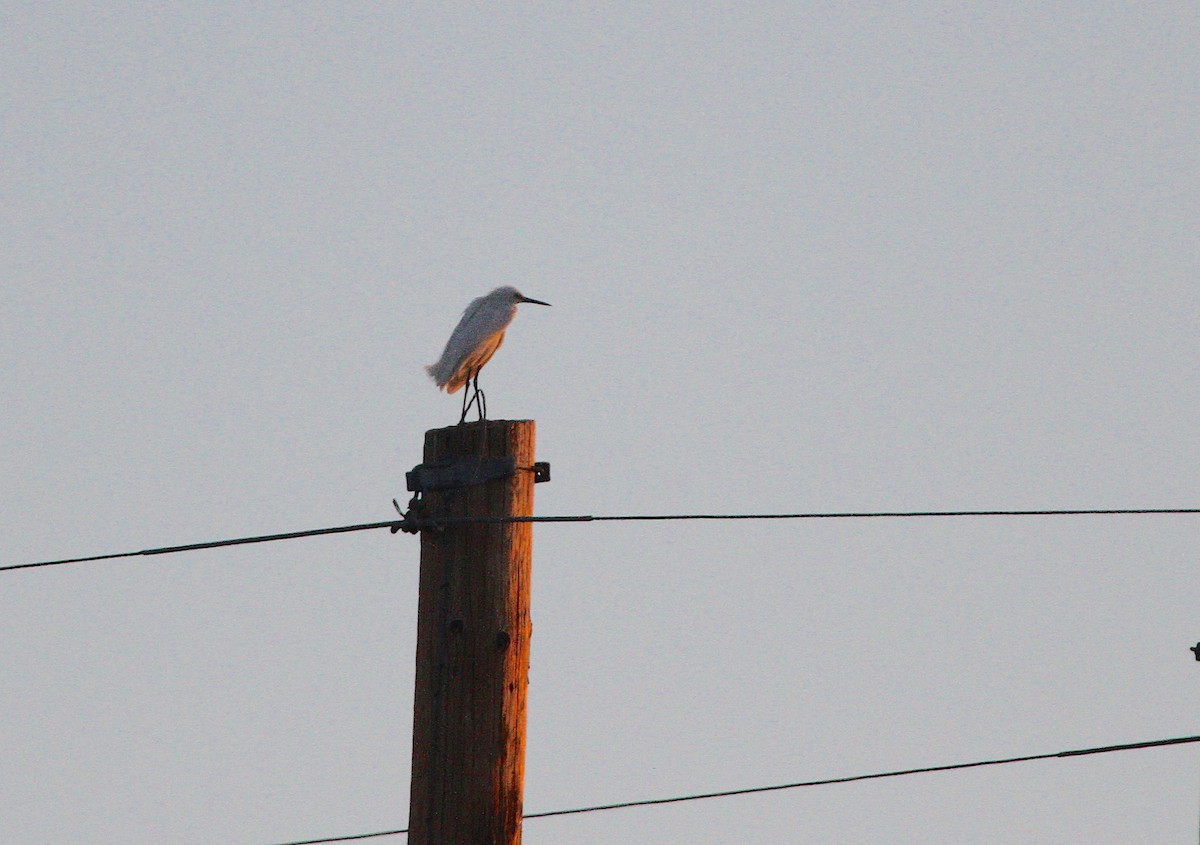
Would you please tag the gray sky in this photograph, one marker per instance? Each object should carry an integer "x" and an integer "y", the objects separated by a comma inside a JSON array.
[{"x": 802, "y": 257}]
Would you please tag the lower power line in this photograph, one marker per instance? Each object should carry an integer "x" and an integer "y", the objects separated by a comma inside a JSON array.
[{"x": 647, "y": 802}]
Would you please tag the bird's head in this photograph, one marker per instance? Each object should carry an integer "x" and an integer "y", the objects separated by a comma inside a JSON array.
[{"x": 511, "y": 294}]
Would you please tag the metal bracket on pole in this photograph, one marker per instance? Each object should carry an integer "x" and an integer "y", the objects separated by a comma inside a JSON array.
[
  {"x": 458, "y": 472},
  {"x": 451, "y": 473}
]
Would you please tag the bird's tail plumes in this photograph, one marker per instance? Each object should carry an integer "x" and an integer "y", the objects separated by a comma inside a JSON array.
[{"x": 442, "y": 378}]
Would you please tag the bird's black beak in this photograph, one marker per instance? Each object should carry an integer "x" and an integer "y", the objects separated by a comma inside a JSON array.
[{"x": 534, "y": 301}]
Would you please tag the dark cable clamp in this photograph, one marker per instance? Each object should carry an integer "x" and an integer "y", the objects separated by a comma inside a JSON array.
[{"x": 413, "y": 520}]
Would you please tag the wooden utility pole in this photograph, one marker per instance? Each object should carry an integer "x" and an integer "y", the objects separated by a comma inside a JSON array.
[{"x": 473, "y": 628}]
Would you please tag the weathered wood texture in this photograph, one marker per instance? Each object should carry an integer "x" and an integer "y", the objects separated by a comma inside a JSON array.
[{"x": 473, "y": 629}]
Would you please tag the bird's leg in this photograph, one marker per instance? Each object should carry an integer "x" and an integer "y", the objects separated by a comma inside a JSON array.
[
  {"x": 471, "y": 386},
  {"x": 480, "y": 399},
  {"x": 466, "y": 392}
]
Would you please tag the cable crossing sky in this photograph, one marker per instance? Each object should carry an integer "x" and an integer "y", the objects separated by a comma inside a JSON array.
[
  {"x": 397, "y": 525},
  {"x": 1001, "y": 761}
]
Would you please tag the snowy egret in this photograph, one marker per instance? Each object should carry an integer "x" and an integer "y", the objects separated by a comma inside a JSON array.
[{"x": 475, "y": 340}]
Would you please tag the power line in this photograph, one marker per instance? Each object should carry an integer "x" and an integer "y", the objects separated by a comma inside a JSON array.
[
  {"x": 409, "y": 523},
  {"x": 874, "y": 776},
  {"x": 213, "y": 544},
  {"x": 1078, "y": 752},
  {"x": 346, "y": 838},
  {"x": 830, "y": 515}
]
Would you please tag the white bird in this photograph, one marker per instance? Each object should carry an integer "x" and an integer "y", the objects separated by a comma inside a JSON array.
[{"x": 475, "y": 340}]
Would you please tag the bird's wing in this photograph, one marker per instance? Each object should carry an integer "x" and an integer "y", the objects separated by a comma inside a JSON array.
[
  {"x": 478, "y": 326},
  {"x": 479, "y": 323}
]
